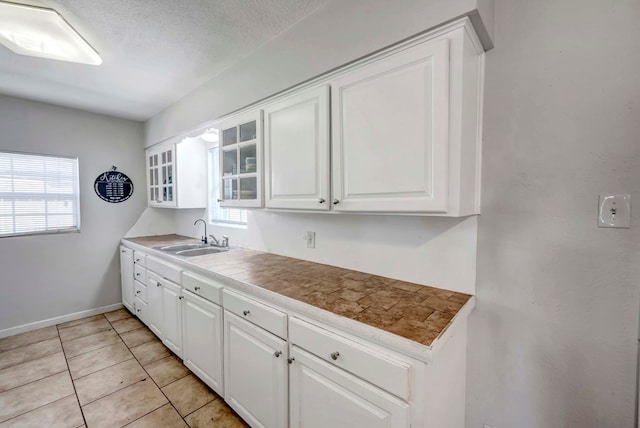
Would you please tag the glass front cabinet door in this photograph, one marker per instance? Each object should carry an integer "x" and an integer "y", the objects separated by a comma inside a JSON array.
[
  {"x": 161, "y": 173},
  {"x": 241, "y": 160}
]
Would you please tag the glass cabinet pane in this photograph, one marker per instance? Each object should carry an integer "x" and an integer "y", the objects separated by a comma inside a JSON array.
[
  {"x": 169, "y": 155},
  {"x": 248, "y": 131},
  {"x": 229, "y": 136},
  {"x": 248, "y": 188},
  {"x": 229, "y": 188},
  {"x": 170, "y": 174},
  {"x": 151, "y": 182},
  {"x": 248, "y": 159},
  {"x": 164, "y": 158},
  {"x": 230, "y": 162}
]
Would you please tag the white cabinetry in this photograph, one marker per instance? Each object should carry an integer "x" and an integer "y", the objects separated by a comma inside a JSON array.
[
  {"x": 126, "y": 277},
  {"x": 296, "y": 141},
  {"x": 345, "y": 384},
  {"x": 154, "y": 304},
  {"x": 325, "y": 396},
  {"x": 405, "y": 128},
  {"x": 241, "y": 160},
  {"x": 202, "y": 329},
  {"x": 255, "y": 362},
  {"x": 176, "y": 174},
  {"x": 172, "y": 317}
]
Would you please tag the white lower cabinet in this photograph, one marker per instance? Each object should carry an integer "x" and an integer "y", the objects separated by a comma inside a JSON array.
[
  {"x": 141, "y": 310},
  {"x": 126, "y": 277},
  {"x": 255, "y": 373},
  {"x": 172, "y": 317},
  {"x": 322, "y": 395},
  {"x": 154, "y": 304},
  {"x": 202, "y": 339}
]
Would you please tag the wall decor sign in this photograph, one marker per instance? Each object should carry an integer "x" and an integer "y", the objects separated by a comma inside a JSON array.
[{"x": 113, "y": 186}]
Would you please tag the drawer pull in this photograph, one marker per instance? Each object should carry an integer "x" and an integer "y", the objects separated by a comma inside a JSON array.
[
  {"x": 180, "y": 297},
  {"x": 137, "y": 273},
  {"x": 277, "y": 354},
  {"x": 245, "y": 313},
  {"x": 139, "y": 310},
  {"x": 137, "y": 260},
  {"x": 123, "y": 251},
  {"x": 335, "y": 355},
  {"x": 291, "y": 360},
  {"x": 158, "y": 285},
  {"x": 138, "y": 292},
  {"x": 196, "y": 288}
]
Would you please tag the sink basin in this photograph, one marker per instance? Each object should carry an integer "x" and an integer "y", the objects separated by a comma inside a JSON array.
[
  {"x": 201, "y": 251},
  {"x": 181, "y": 247}
]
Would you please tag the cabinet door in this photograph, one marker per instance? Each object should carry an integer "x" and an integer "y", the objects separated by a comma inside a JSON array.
[
  {"x": 296, "y": 141},
  {"x": 323, "y": 395},
  {"x": 202, "y": 340},
  {"x": 154, "y": 304},
  {"x": 241, "y": 160},
  {"x": 126, "y": 277},
  {"x": 153, "y": 178},
  {"x": 172, "y": 317},
  {"x": 167, "y": 176},
  {"x": 255, "y": 373},
  {"x": 390, "y": 133}
]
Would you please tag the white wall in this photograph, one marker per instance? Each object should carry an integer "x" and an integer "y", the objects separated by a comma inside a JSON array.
[
  {"x": 553, "y": 337},
  {"x": 426, "y": 250},
  {"x": 47, "y": 276}
]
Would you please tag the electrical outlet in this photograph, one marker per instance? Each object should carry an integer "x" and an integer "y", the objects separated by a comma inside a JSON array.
[
  {"x": 614, "y": 211},
  {"x": 311, "y": 240}
]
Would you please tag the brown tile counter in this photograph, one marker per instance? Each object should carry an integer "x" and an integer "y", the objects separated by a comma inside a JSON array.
[{"x": 416, "y": 312}]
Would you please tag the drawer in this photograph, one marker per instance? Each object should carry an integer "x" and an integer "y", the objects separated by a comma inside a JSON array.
[
  {"x": 391, "y": 374},
  {"x": 140, "y": 258},
  {"x": 258, "y": 313},
  {"x": 140, "y": 273},
  {"x": 208, "y": 288},
  {"x": 141, "y": 290},
  {"x": 126, "y": 251},
  {"x": 164, "y": 269},
  {"x": 141, "y": 311}
]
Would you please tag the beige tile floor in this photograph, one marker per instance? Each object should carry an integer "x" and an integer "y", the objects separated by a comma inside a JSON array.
[{"x": 102, "y": 371}]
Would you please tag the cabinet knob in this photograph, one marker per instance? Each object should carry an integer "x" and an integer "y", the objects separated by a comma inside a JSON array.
[
  {"x": 335, "y": 202},
  {"x": 196, "y": 288},
  {"x": 246, "y": 313},
  {"x": 139, "y": 310},
  {"x": 137, "y": 260},
  {"x": 138, "y": 274},
  {"x": 219, "y": 200},
  {"x": 123, "y": 251},
  {"x": 291, "y": 360},
  {"x": 180, "y": 297},
  {"x": 138, "y": 292},
  {"x": 321, "y": 200},
  {"x": 277, "y": 354},
  {"x": 335, "y": 355},
  {"x": 158, "y": 285}
]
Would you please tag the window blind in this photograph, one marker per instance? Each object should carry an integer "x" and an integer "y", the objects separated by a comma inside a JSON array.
[{"x": 38, "y": 194}]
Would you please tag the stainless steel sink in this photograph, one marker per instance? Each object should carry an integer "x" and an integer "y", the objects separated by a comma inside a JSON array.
[
  {"x": 201, "y": 251},
  {"x": 181, "y": 247}
]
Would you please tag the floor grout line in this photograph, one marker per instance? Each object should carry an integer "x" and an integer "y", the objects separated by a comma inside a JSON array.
[
  {"x": 73, "y": 384},
  {"x": 36, "y": 408},
  {"x": 42, "y": 378}
]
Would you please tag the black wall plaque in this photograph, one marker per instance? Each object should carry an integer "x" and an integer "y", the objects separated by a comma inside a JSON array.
[{"x": 113, "y": 186}]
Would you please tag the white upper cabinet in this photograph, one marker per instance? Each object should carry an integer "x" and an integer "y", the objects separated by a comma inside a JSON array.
[
  {"x": 405, "y": 129},
  {"x": 177, "y": 174},
  {"x": 296, "y": 145},
  {"x": 241, "y": 160}
]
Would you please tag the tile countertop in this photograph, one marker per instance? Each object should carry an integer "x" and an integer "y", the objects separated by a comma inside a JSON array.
[{"x": 416, "y": 312}]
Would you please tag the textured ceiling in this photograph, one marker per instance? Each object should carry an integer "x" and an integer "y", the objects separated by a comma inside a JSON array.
[{"x": 154, "y": 51}]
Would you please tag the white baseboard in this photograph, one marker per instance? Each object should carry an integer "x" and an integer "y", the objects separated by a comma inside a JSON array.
[{"x": 58, "y": 320}]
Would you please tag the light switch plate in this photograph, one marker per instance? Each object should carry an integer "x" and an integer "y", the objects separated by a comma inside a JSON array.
[{"x": 614, "y": 211}]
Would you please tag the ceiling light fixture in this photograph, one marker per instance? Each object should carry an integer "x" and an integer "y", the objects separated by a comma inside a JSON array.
[
  {"x": 34, "y": 31},
  {"x": 210, "y": 136}
]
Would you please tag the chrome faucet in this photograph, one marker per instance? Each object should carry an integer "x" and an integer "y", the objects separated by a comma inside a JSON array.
[
  {"x": 217, "y": 243},
  {"x": 204, "y": 238}
]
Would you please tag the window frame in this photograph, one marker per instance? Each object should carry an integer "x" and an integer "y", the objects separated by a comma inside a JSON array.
[{"x": 76, "y": 194}]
